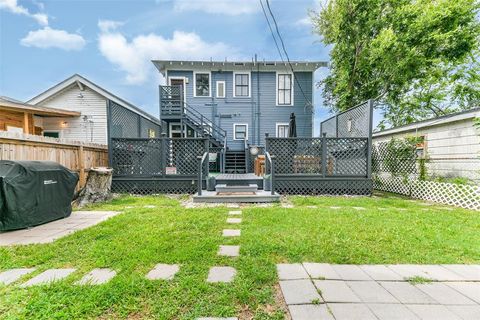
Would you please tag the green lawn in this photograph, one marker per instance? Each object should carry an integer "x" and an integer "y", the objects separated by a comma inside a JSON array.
[{"x": 390, "y": 230}]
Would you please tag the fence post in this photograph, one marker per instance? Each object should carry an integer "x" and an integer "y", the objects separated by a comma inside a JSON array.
[
  {"x": 163, "y": 154},
  {"x": 369, "y": 142},
  {"x": 199, "y": 187},
  {"x": 272, "y": 174},
  {"x": 324, "y": 154},
  {"x": 81, "y": 166}
]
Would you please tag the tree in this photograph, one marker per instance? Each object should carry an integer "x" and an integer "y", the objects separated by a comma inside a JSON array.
[{"x": 418, "y": 58}]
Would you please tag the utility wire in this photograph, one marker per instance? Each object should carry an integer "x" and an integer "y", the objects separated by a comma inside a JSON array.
[
  {"x": 271, "y": 31},
  {"x": 285, "y": 50}
]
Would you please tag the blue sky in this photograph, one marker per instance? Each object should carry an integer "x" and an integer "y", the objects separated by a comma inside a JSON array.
[{"x": 112, "y": 42}]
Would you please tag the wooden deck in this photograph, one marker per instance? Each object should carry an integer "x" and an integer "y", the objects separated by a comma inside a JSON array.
[{"x": 238, "y": 176}]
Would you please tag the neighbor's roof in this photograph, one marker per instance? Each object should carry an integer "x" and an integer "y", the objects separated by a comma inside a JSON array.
[
  {"x": 309, "y": 66},
  {"x": 79, "y": 80},
  {"x": 452, "y": 117},
  {"x": 7, "y": 103}
]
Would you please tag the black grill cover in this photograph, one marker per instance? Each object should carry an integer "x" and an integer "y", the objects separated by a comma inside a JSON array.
[{"x": 34, "y": 192}]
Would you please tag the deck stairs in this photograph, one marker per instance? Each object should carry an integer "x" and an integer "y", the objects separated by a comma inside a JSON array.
[{"x": 235, "y": 162}]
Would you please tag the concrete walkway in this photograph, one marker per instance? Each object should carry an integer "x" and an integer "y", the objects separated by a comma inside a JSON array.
[
  {"x": 54, "y": 230},
  {"x": 329, "y": 291}
]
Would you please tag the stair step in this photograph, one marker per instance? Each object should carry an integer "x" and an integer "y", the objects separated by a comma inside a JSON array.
[{"x": 223, "y": 188}]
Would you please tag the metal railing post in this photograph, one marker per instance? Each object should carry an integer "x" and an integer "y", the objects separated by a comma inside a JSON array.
[
  {"x": 200, "y": 173},
  {"x": 324, "y": 154},
  {"x": 203, "y": 126}
]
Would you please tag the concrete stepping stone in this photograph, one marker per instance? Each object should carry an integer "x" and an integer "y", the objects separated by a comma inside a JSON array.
[
  {"x": 432, "y": 312},
  {"x": 235, "y": 212},
  {"x": 299, "y": 292},
  {"x": 407, "y": 293},
  {"x": 149, "y": 206},
  {"x": 231, "y": 233},
  {"x": 291, "y": 271},
  {"x": 440, "y": 273},
  {"x": 221, "y": 274},
  {"x": 321, "y": 271},
  {"x": 335, "y": 208},
  {"x": 380, "y": 272},
  {"x": 309, "y": 312},
  {"x": 466, "y": 312},
  {"x": 229, "y": 251},
  {"x": 351, "y": 311},
  {"x": 444, "y": 294},
  {"x": 468, "y": 272},
  {"x": 48, "y": 276},
  {"x": 97, "y": 277},
  {"x": 359, "y": 208},
  {"x": 387, "y": 311},
  {"x": 408, "y": 271},
  {"x": 350, "y": 272},
  {"x": 336, "y": 291},
  {"x": 371, "y": 292},
  {"x": 12, "y": 275},
  {"x": 234, "y": 220},
  {"x": 213, "y": 318},
  {"x": 163, "y": 272},
  {"x": 469, "y": 289}
]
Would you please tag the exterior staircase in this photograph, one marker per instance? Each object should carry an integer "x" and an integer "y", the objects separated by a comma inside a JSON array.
[{"x": 235, "y": 162}]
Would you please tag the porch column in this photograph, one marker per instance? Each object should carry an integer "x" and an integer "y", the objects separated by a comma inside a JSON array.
[{"x": 26, "y": 124}]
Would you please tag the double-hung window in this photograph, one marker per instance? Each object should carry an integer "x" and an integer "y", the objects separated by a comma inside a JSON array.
[
  {"x": 284, "y": 89},
  {"x": 202, "y": 84},
  {"x": 282, "y": 130},
  {"x": 242, "y": 85},
  {"x": 240, "y": 131}
]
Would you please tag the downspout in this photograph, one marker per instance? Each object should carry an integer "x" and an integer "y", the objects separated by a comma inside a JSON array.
[
  {"x": 258, "y": 101},
  {"x": 254, "y": 120}
]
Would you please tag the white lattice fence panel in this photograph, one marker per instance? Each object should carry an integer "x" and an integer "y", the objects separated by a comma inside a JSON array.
[
  {"x": 390, "y": 183},
  {"x": 464, "y": 196}
]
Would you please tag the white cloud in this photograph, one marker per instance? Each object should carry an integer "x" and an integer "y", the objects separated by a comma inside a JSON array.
[
  {"x": 305, "y": 22},
  {"x": 134, "y": 57},
  {"x": 52, "y": 38},
  {"x": 108, "y": 25},
  {"x": 14, "y": 7},
  {"x": 228, "y": 7}
]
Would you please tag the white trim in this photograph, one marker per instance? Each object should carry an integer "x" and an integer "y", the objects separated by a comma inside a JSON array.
[
  {"x": 235, "y": 127},
  {"x": 280, "y": 124},
  {"x": 292, "y": 97},
  {"x": 195, "y": 84},
  {"x": 224, "y": 89},
  {"x": 184, "y": 85},
  {"x": 249, "y": 73}
]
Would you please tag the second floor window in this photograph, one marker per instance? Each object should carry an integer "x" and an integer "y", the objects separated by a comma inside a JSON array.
[
  {"x": 284, "y": 89},
  {"x": 242, "y": 85},
  {"x": 202, "y": 84}
]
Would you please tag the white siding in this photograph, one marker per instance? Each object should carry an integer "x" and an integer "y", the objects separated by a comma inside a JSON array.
[
  {"x": 91, "y": 104},
  {"x": 453, "y": 148}
]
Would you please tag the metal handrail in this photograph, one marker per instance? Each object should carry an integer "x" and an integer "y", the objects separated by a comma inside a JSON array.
[
  {"x": 201, "y": 161},
  {"x": 270, "y": 159},
  {"x": 202, "y": 119}
]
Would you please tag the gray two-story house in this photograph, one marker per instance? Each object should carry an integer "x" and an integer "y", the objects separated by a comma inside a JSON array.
[{"x": 236, "y": 103}]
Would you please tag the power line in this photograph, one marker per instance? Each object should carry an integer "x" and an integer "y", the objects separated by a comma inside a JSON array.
[
  {"x": 271, "y": 31},
  {"x": 285, "y": 50}
]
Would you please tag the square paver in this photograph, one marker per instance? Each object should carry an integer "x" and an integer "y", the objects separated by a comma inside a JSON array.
[
  {"x": 466, "y": 312},
  {"x": 229, "y": 251},
  {"x": 299, "y": 292},
  {"x": 350, "y": 272},
  {"x": 231, "y": 233},
  {"x": 48, "y": 276},
  {"x": 163, "y": 272},
  {"x": 470, "y": 272},
  {"x": 469, "y": 289},
  {"x": 291, "y": 271},
  {"x": 444, "y": 294},
  {"x": 336, "y": 291},
  {"x": 221, "y": 274},
  {"x": 440, "y": 273},
  {"x": 309, "y": 312},
  {"x": 97, "y": 277},
  {"x": 408, "y": 271},
  {"x": 351, "y": 311},
  {"x": 432, "y": 312},
  {"x": 321, "y": 271},
  {"x": 12, "y": 275},
  {"x": 234, "y": 220},
  {"x": 407, "y": 293},
  {"x": 371, "y": 291},
  {"x": 235, "y": 212},
  {"x": 389, "y": 311},
  {"x": 381, "y": 273}
]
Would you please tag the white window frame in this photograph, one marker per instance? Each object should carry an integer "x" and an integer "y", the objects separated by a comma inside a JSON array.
[
  {"x": 170, "y": 129},
  {"x": 195, "y": 84},
  {"x": 224, "y": 89},
  {"x": 184, "y": 84},
  {"x": 278, "y": 124},
  {"x": 292, "y": 95},
  {"x": 249, "y": 74},
  {"x": 235, "y": 131}
]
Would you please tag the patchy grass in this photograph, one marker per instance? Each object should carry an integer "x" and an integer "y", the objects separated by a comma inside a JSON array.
[{"x": 388, "y": 230}]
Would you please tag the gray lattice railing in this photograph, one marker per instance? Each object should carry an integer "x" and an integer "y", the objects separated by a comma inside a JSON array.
[{"x": 355, "y": 122}]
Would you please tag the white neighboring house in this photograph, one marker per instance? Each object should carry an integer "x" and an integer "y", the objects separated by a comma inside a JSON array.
[
  {"x": 77, "y": 93},
  {"x": 451, "y": 143}
]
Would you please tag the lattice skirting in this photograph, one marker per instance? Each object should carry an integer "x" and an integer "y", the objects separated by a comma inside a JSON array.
[
  {"x": 323, "y": 186},
  {"x": 396, "y": 184},
  {"x": 158, "y": 186}
]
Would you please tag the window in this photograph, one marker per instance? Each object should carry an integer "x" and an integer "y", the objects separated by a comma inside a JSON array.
[
  {"x": 202, "y": 84},
  {"x": 51, "y": 134},
  {"x": 220, "y": 89},
  {"x": 282, "y": 130},
  {"x": 241, "y": 82},
  {"x": 284, "y": 89},
  {"x": 151, "y": 133},
  {"x": 240, "y": 131}
]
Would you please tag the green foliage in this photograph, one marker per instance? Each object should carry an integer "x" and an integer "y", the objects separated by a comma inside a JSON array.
[
  {"x": 400, "y": 151},
  {"x": 454, "y": 180},
  {"x": 418, "y": 58}
]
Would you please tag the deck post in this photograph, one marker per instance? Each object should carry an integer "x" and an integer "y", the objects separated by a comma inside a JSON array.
[
  {"x": 324, "y": 154},
  {"x": 163, "y": 154},
  {"x": 272, "y": 174},
  {"x": 369, "y": 141}
]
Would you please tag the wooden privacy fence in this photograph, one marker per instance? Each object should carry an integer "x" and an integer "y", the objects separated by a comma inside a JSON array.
[{"x": 75, "y": 155}]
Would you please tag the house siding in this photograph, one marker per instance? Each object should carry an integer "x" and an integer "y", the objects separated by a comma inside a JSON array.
[{"x": 225, "y": 112}]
